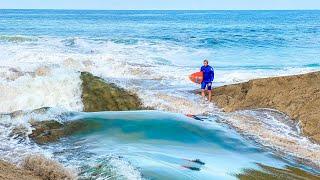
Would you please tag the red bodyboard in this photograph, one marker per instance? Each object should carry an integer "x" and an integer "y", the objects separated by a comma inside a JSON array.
[{"x": 196, "y": 77}]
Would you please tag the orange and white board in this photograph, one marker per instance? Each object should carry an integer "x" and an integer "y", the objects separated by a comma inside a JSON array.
[{"x": 196, "y": 77}]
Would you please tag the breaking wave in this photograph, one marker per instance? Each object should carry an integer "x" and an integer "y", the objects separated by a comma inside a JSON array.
[{"x": 45, "y": 73}]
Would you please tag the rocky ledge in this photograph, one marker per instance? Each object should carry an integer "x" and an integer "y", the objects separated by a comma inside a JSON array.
[
  {"x": 298, "y": 96},
  {"x": 97, "y": 95},
  {"x": 12, "y": 172},
  {"x": 36, "y": 167}
]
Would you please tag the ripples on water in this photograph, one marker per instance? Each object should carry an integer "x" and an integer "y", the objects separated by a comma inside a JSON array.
[
  {"x": 158, "y": 145},
  {"x": 152, "y": 53}
]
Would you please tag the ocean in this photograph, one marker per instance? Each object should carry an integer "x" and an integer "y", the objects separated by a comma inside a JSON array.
[{"x": 152, "y": 53}]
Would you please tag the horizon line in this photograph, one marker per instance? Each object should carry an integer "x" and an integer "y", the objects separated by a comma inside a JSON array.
[{"x": 80, "y": 9}]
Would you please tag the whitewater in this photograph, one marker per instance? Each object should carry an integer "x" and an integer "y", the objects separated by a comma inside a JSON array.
[{"x": 151, "y": 53}]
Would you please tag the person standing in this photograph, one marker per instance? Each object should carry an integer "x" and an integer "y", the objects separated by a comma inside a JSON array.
[{"x": 208, "y": 76}]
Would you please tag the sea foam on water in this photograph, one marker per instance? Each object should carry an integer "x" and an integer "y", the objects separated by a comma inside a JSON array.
[
  {"x": 59, "y": 89},
  {"x": 45, "y": 73}
]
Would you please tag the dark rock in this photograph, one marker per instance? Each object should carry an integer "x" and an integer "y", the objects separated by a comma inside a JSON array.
[
  {"x": 98, "y": 95},
  {"x": 50, "y": 131},
  {"x": 46, "y": 131}
]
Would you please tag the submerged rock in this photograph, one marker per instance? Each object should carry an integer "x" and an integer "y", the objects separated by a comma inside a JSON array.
[
  {"x": 97, "y": 95},
  {"x": 50, "y": 131},
  {"x": 47, "y": 131},
  {"x": 298, "y": 96}
]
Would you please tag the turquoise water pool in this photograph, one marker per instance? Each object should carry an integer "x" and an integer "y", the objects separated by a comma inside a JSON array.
[{"x": 159, "y": 145}]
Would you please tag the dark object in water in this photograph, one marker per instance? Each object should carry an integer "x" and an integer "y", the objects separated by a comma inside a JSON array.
[
  {"x": 192, "y": 168},
  {"x": 198, "y": 161},
  {"x": 194, "y": 117}
]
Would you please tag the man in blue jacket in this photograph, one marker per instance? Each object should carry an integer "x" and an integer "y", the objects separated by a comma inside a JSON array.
[{"x": 208, "y": 76}]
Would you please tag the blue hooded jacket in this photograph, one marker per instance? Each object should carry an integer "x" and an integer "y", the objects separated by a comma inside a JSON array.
[{"x": 208, "y": 73}]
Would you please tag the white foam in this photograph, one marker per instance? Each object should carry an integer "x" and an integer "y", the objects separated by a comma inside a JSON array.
[
  {"x": 61, "y": 89},
  {"x": 15, "y": 129},
  {"x": 238, "y": 76},
  {"x": 275, "y": 130},
  {"x": 124, "y": 170},
  {"x": 158, "y": 72}
]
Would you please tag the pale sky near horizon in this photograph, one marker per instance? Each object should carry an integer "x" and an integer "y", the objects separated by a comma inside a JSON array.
[{"x": 161, "y": 4}]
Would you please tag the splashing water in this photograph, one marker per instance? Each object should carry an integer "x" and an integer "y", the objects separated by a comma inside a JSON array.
[
  {"x": 159, "y": 145},
  {"x": 141, "y": 52}
]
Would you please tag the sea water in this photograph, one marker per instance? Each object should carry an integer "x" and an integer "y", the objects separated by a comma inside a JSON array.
[
  {"x": 152, "y": 53},
  {"x": 161, "y": 145}
]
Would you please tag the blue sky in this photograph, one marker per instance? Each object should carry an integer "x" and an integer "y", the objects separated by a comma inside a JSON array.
[{"x": 160, "y": 4}]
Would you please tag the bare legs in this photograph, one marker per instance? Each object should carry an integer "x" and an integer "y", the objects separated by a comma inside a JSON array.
[{"x": 209, "y": 94}]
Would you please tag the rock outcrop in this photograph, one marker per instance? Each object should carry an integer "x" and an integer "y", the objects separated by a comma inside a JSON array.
[
  {"x": 97, "y": 95},
  {"x": 12, "y": 172},
  {"x": 36, "y": 167},
  {"x": 267, "y": 172},
  {"x": 50, "y": 131},
  {"x": 298, "y": 96},
  {"x": 48, "y": 169}
]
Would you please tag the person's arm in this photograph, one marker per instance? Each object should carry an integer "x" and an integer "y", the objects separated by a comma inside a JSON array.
[
  {"x": 202, "y": 70},
  {"x": 211, "y": 75}
]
